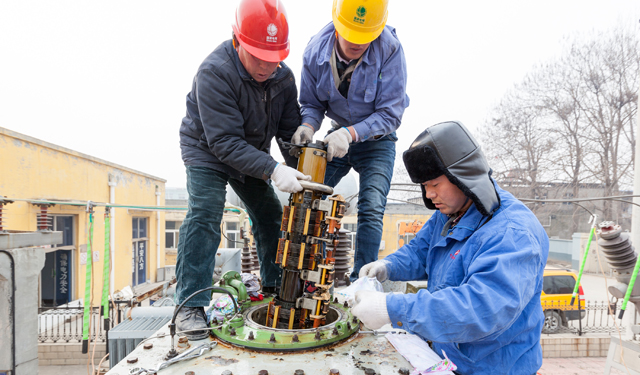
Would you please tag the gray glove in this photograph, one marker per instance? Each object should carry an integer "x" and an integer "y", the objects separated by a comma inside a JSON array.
[
  {"x": 338, "y": 143},
  {"x": 302, "y": 135},
  {"x": 286, "y": 178},
  {"x": 377, "y": 269}
]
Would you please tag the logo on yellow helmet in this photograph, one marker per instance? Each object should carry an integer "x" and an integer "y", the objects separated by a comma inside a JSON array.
[{"x": 360, "y": 13}]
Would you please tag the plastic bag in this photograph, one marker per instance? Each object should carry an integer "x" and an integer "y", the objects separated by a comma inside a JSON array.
[
  {"x": 222, "y": 308},
  {"x": 363, "y": 283}
]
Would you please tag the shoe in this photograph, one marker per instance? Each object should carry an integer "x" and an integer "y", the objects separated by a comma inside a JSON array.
[
  {"x": 190, "y": 318},
  {"x": 270, "y": 291}
]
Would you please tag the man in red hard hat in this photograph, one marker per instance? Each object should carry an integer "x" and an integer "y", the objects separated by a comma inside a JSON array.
[{"x": 242, "y": 96}]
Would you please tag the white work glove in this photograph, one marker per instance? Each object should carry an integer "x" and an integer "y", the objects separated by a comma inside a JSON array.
[
  {"x": 303, "y": 134},
  {"x": 338, "y": 143},
  {"x": 377, "y": 269},
  {"x": 286, "y": 178},
  {"x": 371, "y": 308}
]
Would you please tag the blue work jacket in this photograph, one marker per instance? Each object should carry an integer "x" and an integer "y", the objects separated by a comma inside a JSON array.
[
  {"x": 482, "y": 304},
  {"x": 377, "y": 93}
]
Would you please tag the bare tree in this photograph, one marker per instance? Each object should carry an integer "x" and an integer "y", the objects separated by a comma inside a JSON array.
[
  {"x": 571, "y": 121},
  {"x": 607, "y": 66},
  {"x": 557, "y": 93},
  {"x": 517, "y": 140}
]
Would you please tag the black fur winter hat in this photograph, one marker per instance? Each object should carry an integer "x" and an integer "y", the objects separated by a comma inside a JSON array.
[{"x": 449, "y": 149}]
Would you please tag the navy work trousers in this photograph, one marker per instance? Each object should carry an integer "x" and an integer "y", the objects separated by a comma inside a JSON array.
[
  {"x": 373, "y": 160},
  {"x": 200, "y": 232}
]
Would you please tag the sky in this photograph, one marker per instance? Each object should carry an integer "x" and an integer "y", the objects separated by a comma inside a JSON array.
[{"x": 109, "y": 79}]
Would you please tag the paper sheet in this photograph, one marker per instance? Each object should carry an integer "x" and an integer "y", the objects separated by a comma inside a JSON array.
[{"x": 418, "y": 353}]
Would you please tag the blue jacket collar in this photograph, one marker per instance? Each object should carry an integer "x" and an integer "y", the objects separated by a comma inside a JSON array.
[{"x": 470, "y": 222}]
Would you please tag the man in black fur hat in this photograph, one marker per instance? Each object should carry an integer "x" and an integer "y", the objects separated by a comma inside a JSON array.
[{"x": 483, "y": 252}]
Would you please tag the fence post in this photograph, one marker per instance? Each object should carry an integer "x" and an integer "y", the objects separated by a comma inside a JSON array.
[{"x": 580, "y": 315}]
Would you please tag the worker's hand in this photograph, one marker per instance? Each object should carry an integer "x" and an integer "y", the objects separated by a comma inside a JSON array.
[
  {"x": 377, "y": 269},
  {"x": 371, "y": 308},
  {"x": 338, "y": 143},
  {"x": 286, "y": 178},
  {"x": 303, "y": 134}
]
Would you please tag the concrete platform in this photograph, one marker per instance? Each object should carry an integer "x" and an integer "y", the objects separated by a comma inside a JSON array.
[{"x": 550, "y": 366}]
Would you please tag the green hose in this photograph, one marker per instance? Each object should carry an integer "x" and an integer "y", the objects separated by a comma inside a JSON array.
[
  {"x": 629, "y": 288},
  {"x": 584, "y": 260},
  {"x": 106, "y": 270},
  {"x": 86, "y": 318}
]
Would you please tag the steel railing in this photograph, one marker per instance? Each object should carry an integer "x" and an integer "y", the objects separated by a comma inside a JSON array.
[
  {"x": 64, "y": 324},
  {"x": 596, "y": 317}
]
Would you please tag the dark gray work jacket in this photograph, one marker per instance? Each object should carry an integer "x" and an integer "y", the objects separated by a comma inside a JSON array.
[{"x": 231, "y": 119}]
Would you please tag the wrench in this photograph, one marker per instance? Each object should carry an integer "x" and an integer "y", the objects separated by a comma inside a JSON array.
[{"x": 189, "y": 354}]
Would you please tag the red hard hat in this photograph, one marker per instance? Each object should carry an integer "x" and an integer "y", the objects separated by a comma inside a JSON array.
[{"x": 261, "y": 28}]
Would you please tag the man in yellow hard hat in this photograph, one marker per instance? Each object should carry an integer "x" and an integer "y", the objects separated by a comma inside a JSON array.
[{"x": 354, "y": 72}]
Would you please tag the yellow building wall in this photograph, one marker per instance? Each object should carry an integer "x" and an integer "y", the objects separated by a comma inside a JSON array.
[
  {"x": 31, "y": 169},
  {"x": 171, "y": 255}
]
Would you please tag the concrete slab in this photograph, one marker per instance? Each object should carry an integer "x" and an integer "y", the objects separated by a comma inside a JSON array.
[
  {"x": 350, "y": 357},
  {"x": 550, "y": 366}
]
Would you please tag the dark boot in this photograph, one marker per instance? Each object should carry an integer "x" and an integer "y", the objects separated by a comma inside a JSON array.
[
  {"x": 190, "y": 318},
  {"x": 269, "y": 291}
]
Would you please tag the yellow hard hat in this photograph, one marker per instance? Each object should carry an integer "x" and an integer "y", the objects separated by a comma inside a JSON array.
[{"x": 359, "y": 21}]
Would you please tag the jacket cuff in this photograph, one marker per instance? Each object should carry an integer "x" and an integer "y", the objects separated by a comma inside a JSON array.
[
  {"x": 362, "y": 130},
  {"x": 312, "y": 121},
  {"x": 395, "y": 307},
  {"x": 269, "y": 168},
  {"x": 391, "y": 269}
]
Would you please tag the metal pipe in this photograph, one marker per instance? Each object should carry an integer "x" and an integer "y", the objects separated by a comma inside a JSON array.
[
  {"x": 112, "y": 244},
  {"x": 158, "y": 193},
  {"x": 635, "y": 222},
  {"x": 310, "y": 185},
  {"x": 13, "y": 311}
]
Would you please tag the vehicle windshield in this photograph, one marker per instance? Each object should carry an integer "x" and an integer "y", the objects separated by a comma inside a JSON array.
[{"x": 558, "y": 284}]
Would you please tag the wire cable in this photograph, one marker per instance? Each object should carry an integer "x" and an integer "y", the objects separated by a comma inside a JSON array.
[{"x": 228, "y": 239}]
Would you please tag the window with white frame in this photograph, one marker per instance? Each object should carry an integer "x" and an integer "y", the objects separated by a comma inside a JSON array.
[
  {"x": 171, "y": 233},
  {"x": 232, "y": 233}
]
